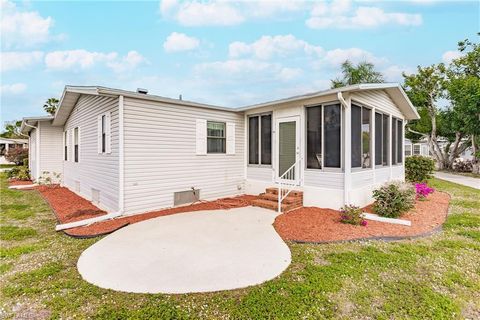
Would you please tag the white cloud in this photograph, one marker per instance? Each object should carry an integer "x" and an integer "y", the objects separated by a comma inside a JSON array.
[
  {"x": 217, "y": 13},
  {"x": 268, "y": 46},
  {"x": 226, "y": 13},
  {"x": 393, "y": 73},
  {"x": 341, "y": 14},
  {"x": 23, "y": 28},
  {"x": 180, "y": 42},
  {"x": 287, "y": 74},
  {"x": 128, "y": 62},
  {"x": 83, "y": 59},
  {"x": 448, "y": 56},
  {"x": 232, "y": 67},
  {"x": 338, "y": 56},
  {"x": 19, "y": 60},
  {"x": 15, "y": 88}
]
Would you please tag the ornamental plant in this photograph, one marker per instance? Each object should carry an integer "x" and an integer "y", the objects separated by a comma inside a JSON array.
[
  {"x": 352, "y": 215},
  {"x": 393, "y": 199},
  {"x": 422, "y": 190},
  {"x": 419, "y": 168}
]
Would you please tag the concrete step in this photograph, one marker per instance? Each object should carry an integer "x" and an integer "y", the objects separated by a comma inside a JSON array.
[{"x": 288, "y": 200}]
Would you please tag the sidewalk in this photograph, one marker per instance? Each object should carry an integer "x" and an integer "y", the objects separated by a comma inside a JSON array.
[{"x": 463, "y": 180}]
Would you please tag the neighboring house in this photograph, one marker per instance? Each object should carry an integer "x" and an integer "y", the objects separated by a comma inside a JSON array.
[
  {"x": 7, "y": 144},
  {"x": 421, "y": 148},
  {"x": 131, "y": 152}
]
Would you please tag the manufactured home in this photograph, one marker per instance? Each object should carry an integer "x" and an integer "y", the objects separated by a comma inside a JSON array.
[{"x": 133, "y": 152}]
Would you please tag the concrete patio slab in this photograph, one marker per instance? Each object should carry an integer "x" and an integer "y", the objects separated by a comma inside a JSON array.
[{"x": 199, "y": 251}]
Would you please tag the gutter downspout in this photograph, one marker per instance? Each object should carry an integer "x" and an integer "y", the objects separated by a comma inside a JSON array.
[
  {"x": 37, "y": 149},
  {"x": 347, "y": 149}
]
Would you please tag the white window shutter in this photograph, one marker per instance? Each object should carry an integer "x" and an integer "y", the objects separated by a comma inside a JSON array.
[
  {"x": 108, "y": 133},
  {"x": 201, "y": 137},
  {"x": 230, "y": 138},
  {"x": 99, "y": 134}
]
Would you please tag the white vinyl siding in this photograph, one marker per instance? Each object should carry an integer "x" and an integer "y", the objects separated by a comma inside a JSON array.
[
  {"x": 378, "y": 99},
  {"x": 320, "y": 179},
  {"x": 162, "y": 144},
  {"x": 260, "y": 173},
  {"x": 32, "y": 149},
  {"x": 94, "y": 171},
  {"x": 51, "y": 153}
]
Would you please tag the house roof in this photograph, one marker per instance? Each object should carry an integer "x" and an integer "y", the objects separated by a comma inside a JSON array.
[
  {"x": 71, "y": 95},
  {"x": 29, "y": 122},
  {"x": 13, "y": 140},
  {"x": 394, "y": 90}
]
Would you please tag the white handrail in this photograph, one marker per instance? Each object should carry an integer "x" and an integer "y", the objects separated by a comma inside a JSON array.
[{"x": 290, "y": 175}]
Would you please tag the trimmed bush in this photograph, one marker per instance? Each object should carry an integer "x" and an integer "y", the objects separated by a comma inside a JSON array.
[
  {"x": 393, "y": 199},
  {"x": 419, "y": 168},
  {"x": 352, "y": 215},
  {"x": 19, "y": 173}
]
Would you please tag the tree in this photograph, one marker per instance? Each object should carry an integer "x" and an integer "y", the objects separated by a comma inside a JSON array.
[
  {"x": 424, "y": 89},
  {"x": 363, "y": 72},
  {"x": 51, "y": 105},
  {"x": 463, "y": 90},
  {"x": 12, "y": 129}
]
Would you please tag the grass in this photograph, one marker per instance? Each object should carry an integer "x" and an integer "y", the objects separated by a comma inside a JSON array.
[
  {"x": 3, "y": 166},
  {"x": 431, "y": 278}
]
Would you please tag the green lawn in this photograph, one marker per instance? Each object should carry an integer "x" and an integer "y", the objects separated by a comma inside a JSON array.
[{"x": 431, "y": 278}]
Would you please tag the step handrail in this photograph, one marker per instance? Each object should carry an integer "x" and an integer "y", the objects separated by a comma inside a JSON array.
[{"x": 288, "y": 174}]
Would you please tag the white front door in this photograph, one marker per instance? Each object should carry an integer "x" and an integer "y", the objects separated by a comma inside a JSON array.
[{"x": 287, "y": 149}]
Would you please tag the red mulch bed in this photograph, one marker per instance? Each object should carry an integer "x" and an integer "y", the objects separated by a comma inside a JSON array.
[
  {"x": 69, "y": 207},
  {"x": 15, "y": 182},
  {"x": 311, "y": 224}
]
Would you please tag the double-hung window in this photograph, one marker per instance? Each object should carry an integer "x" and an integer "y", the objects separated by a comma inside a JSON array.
[
  {"x": 408, "y": 150},
  {"x": 260, "y": 139},
  {"x": 216, "y": 137},
  {"x": 75, "y": 143},
  {"x": 416, "y": 149},
  {"x": 397, "y": 140},
  {"x": 381, "y": 139},
  {"x": 65, "y": 145},
  {"x": 104, "y": 138},
  {"x": 104, "y": 132},
  {"x": 324, "y": 124},
  {"x": 360, "y": 135}
]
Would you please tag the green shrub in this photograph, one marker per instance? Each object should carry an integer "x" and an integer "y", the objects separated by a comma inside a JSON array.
[
  {"x": 393, "y": 199},
  {"x": 19, "y": 173},
  {"x": 418, "y": 168},
  {"x": 352, "y": 215}
]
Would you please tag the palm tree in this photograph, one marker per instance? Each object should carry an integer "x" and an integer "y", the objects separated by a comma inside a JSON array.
[
  {"x": 363, "y": 72},
  {"x": 51, "y": 105}
]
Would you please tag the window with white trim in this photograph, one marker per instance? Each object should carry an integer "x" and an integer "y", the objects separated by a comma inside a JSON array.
[
  {"x": 360, "y": 135},
  {"x": 408, "y": 150},
  {"x": 75, "y": 144},
  {"x": 260, "y": 139},
  {"x": 416, "y": 149},
  {"x": 397, "y": 141},
  {"x": 216, "y": 137},
  {"x": 381, "y": 139},
  {"x": 104, "y": 133},
  {"x": 65, "y": 144},
  {"x": 324, "y": 125}
]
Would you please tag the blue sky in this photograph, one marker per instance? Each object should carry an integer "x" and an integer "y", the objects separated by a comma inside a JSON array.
[{"x": 229, "y": 53}]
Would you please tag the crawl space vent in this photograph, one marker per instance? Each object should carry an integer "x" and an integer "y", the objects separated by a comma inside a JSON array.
[
  {"x": 186, "y": 197},
  {"x": 95, "y": 196}
]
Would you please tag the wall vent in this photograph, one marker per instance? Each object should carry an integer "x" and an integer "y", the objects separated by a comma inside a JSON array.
[
  {"x": 186, "y": 197},
  {"x": 95, "y": 196}
]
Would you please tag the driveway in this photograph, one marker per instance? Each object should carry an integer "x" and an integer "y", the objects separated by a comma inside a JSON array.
[
  {"x": 463, "y": 180},
  {"x": 199, "y": 251}
]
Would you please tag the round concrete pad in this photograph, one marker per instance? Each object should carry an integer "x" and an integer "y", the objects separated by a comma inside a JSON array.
[{"x": 189, "y": 252}]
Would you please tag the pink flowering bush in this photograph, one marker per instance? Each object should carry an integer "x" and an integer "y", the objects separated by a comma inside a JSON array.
[
  {"x": 352, "y": 215},
  {"x": 422, "y": 190}
]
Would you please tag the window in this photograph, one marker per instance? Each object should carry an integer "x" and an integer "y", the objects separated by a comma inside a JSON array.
[
  {"x": 360, "y": 136},
  {"x": 324, "y": 124},
  {"x": 408, "y": 150},
  {"x": 65, "y": 143},
  {"x": 381, "y": 139},
  {"x": 397, "y": 140},
  {"x": 75, "y": 144},
  {"x": 416, "y": 149},
  {"x": 260, "y": 139},
  {"x": 314, "y": 137},
  {"x": 104, "y": 133},
  {"x": 216, "y": 138}
]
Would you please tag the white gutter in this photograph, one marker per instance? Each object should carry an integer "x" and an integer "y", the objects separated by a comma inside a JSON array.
[
  {"x": 347, "y": 149},
  {"x": 86, "y": 222}
]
